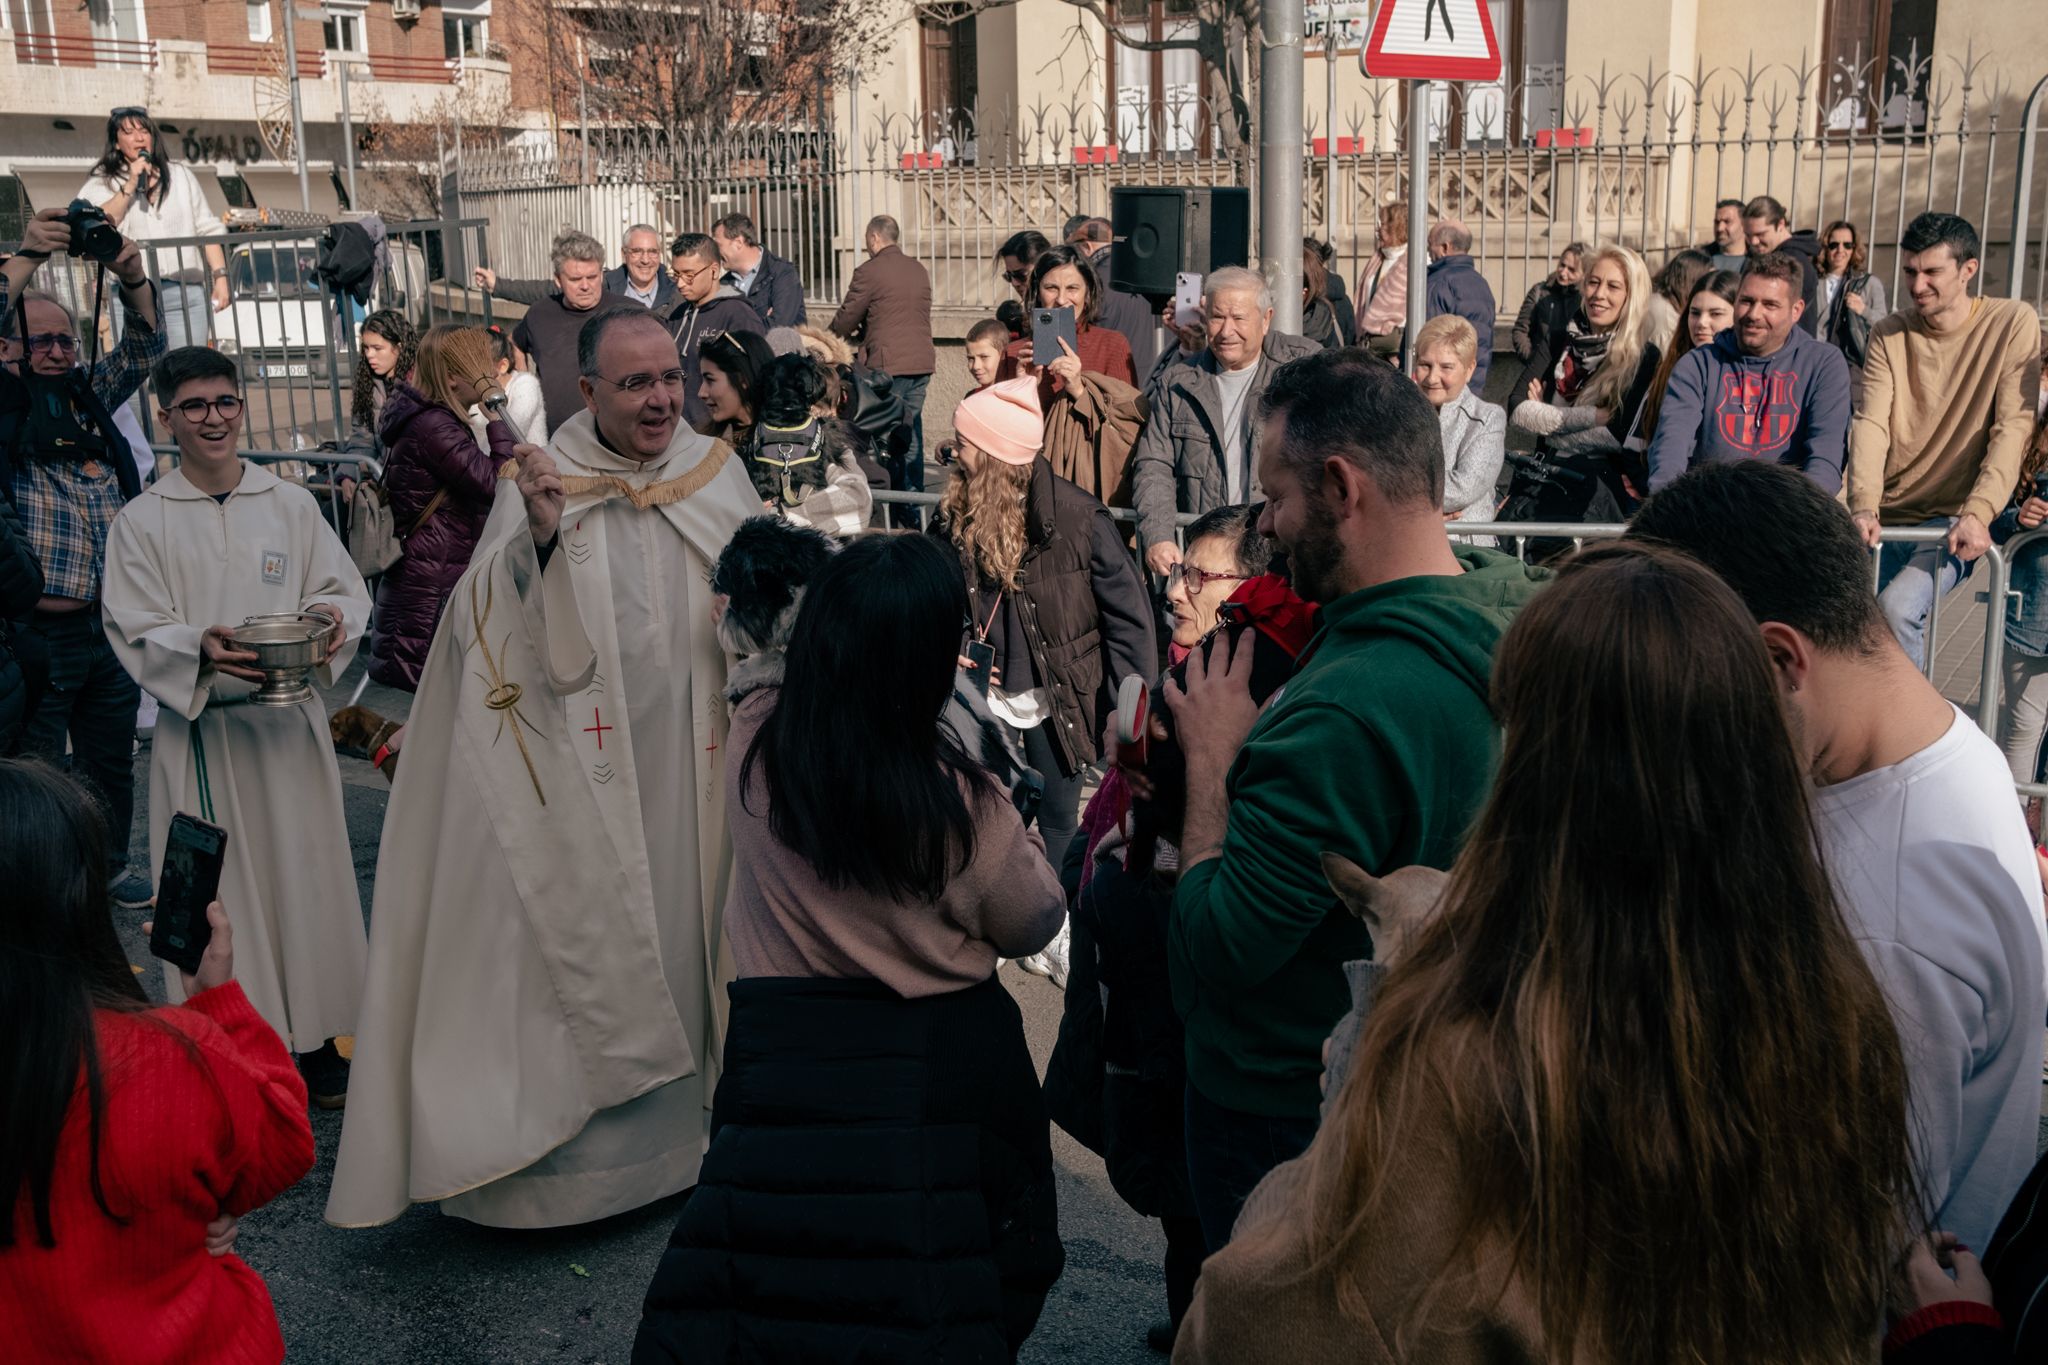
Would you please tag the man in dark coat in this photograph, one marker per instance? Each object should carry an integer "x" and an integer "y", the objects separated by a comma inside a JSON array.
[
  {"x": 706, "y": 306},
  {"x": 548, "y": 332},
  {"x": 1768, "y": 229},
  {"x": 766, "y": 281},
  {"x": 639, "y": 278},
  {"x": 1456, "y": 286},
  {"x": 888, "y": 311}
]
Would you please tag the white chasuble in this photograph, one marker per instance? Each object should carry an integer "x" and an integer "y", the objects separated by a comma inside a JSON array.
[
  {"x": 544, "y": 1004},
  {"x": 179, "y": 561}
]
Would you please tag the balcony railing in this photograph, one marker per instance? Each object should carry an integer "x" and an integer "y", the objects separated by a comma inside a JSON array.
[
  {"x": 258, "y": 59},
  {"x": 388, "y": 67},
  {"x": 52, "y": 49}
]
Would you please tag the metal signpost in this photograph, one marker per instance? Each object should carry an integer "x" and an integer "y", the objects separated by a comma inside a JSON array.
[{"x": 1420, "y": 41}]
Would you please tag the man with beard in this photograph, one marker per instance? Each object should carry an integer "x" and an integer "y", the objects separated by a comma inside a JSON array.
[{"x": 1379, "y": 748}]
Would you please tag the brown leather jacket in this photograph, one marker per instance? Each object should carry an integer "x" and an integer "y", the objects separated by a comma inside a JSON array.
[
  {"x": 1090, "y": 431},
  {"x": 888, "y": 310}
]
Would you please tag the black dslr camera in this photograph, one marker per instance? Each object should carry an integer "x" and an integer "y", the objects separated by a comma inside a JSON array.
[{"x": 93, "y": 238}]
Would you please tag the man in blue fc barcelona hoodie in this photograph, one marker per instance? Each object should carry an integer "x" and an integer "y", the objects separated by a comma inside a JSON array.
[{"x": 1764, "y": 390}]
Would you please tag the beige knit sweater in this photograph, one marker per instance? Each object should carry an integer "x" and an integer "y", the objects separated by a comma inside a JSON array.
[{"x": 1945, "y": 418}]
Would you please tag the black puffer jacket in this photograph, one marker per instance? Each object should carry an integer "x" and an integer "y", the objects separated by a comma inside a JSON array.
[
  {"x": 429, "y": 448},
  {"x": 878, "y": 1188},
  {"x": 21, "y": 584}
]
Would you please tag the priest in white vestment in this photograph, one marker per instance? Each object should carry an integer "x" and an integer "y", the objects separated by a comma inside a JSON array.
[
  {"x": 542, "y": 1015},
  {"x": 212, "y": 543}
]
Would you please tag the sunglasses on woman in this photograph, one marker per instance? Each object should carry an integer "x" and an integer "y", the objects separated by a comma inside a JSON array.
[{"x": 948, "y": 453}]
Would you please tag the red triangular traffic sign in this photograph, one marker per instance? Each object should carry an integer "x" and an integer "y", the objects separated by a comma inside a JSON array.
[{"x": 1433, "y": 40}]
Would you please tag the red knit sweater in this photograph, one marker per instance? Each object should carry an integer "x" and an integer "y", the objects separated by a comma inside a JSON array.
[
  {"x": 1100, "y": 350},
  {"x": 205, "y": 1114}
]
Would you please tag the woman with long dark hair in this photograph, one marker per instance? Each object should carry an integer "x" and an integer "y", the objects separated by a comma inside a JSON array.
[
  {"x": 441, "y": 479},
  {"x": 1318, "y": 317},
  {"x": 1092, "y": 410},
  {"x": 131, "y": 1137},
  {"x": 1852, "y": 300},
  {"x": 1632, "y": 1075},
  {"x": 149, "y": 197},
  {"x": 1709, "y": 311},
  {"x": 387, "y": 347},
  {"x": 730, "y": 364},
  {"x": 880, "y": 1167}
]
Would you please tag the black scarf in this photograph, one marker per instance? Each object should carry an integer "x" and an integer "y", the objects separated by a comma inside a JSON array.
[{"x": 1584, "y": 350}]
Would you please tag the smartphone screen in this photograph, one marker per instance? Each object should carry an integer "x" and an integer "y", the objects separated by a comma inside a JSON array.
[
  {"x": 1187, "y": 299},
  {"x": 1048, "y": 327},
  {"x": 189, "y": 881},
  {"x": 982, "y": 655}
]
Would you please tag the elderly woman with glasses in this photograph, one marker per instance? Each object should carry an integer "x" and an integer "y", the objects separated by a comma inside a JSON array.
[{"x": 1852, "y": 300}]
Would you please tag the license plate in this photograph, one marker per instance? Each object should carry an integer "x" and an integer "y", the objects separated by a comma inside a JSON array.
[{"x": 287, "y": 371}]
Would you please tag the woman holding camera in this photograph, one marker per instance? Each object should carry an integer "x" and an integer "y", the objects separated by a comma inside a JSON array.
[
  {"x": 149, "y": 197},
  {"x": 132, "y": 1138},
  {"x": 880, "y": 1167}
]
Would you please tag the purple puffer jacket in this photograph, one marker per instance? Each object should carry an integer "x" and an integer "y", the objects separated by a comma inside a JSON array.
[{"x": 427, "y": 448}]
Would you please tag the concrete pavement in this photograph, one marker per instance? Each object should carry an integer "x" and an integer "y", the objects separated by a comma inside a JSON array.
[{"x": 430, "y": 1288}]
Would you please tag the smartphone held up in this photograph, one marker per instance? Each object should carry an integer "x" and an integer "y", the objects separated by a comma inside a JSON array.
[
  {"x": 190, "y": 880},
  {"x": 1049, "y": 327}
]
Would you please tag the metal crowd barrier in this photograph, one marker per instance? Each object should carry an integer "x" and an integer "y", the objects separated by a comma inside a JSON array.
[
  {"x": 294, "y": 337},
  {"x": 1514, "y": 536},
  {"x": 1997, "y": 593}
]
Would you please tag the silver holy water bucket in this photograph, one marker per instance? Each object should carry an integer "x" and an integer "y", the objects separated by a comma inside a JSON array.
[{"x": 288, "y": 646}]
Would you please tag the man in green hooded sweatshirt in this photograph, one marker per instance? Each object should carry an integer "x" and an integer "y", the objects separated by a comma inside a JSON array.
[{"x": 1380, "y": 748}]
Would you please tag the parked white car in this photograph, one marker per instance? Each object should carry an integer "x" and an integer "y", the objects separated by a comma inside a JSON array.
[{"x": 278, "y": 321}]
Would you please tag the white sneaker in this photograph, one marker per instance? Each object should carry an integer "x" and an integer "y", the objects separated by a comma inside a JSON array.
[
  {"x": 1051, "y": 960},
  {"x": 1055, "y": 955}
]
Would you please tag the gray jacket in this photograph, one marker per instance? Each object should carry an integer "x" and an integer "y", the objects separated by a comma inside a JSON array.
[{"x": 1178, "y": 464}]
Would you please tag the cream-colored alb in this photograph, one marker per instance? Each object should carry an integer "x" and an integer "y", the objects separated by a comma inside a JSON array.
[{"x": 542, "y": 1017}]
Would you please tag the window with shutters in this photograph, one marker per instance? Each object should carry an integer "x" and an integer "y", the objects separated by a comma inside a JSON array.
[
  {"x": 951, "y": 83},
  {"x": 1878, "y": 58},
  {"x": 1528, "y": 99},
  {"x": 1158, "y": 98}
]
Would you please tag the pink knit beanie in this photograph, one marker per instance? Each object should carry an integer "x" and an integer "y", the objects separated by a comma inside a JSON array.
[{"x": 1004, "y": 420}]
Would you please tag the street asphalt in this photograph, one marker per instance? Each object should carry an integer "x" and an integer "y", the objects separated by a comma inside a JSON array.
[
  {"x": 434, "y": 1289},
  {"x": 430, "y": 1288}
]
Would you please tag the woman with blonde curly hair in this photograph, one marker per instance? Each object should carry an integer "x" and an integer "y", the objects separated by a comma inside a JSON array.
[{"x": 1051, "y": 590}]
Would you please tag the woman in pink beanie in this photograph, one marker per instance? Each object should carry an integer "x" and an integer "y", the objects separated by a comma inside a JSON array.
[{"x": 1050, "y": 587}]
